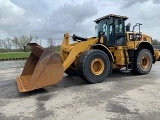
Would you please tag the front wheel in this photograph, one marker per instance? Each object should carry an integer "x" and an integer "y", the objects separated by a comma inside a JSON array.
[
  {"x": 71, "y": 71},
  {"x": 93, "y": 66},
  {"x": 142, "y": 62}
]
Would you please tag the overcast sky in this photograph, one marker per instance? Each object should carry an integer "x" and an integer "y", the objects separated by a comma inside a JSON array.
[{"x": 52, "y": 18}]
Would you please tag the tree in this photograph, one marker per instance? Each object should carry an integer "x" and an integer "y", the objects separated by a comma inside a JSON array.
[
  {"x": 22, "y": 41},
  {"x": 51, "y": 43},
  {"x": 37, "y": 40},
  {"x": 3, "y": 43},
  {"x": 8, "y": 43},
  {"x": 155, "y": 42},
  {"x": 15, "y": 41}
]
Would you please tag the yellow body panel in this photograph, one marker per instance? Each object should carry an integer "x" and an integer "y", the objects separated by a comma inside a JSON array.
[
  {"x": 69, "y": 52},
  {"x": 133, "y": 43},
  {"x": 119, "y": 55},
  {"x": 157, "y": 54}
]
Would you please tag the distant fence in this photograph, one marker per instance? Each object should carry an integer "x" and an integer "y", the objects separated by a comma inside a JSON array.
[{"x": 5, "y": 59}]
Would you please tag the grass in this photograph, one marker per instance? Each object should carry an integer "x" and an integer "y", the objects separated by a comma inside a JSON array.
[{"x": 14, "y": 55}]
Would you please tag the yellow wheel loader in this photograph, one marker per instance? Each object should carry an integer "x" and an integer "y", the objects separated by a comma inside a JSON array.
[{"x": 93, "y": 59}]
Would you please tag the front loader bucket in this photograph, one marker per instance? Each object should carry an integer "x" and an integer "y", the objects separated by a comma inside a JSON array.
[{"x": 42, "y": 68}]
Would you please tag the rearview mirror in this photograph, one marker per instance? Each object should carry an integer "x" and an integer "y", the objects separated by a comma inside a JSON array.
[{"x": 128, "y": 27}]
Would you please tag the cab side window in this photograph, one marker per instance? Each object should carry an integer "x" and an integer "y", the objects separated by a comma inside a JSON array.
[{"x": 118, "y": 26}]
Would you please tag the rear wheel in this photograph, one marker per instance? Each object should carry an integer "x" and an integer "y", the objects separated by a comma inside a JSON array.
[
  {"x": 93, "y": 66},
  {"x": 143, "y": 62}
]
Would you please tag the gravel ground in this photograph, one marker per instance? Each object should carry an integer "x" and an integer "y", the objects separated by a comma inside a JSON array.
[{"x": 121, "y": 96}]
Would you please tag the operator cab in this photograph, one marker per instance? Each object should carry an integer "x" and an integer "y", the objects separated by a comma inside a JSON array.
[{"x": 112, "y": 28}]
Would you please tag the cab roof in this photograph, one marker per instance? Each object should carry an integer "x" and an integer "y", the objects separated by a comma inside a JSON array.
[{"x": 110, "y": 15}]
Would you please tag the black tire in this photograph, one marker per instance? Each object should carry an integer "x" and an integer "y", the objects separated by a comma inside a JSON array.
[
  {"x": 141, "y": 68},
  {"x": 71, "y": 71},
  {"x": 93, "y": 60}
]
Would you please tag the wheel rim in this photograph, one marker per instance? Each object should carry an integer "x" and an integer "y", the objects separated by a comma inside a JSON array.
[
  {"x": 97, "y": 66},
  {"x": 145, "y": 62}
]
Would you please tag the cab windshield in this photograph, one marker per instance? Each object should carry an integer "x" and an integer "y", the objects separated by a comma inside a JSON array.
[{"x": 101, "y": 27}]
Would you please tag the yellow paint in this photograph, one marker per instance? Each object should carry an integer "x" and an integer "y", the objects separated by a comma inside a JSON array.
[
  {"x": 157, "y": 54},
  {"x": 119, "y": 55},
  {"x": 70, "y": 52},
  {"x": 97, "y": 66}
]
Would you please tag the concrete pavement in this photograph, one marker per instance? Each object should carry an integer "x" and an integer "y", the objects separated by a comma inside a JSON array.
[{"x": 121, "y": 96}]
